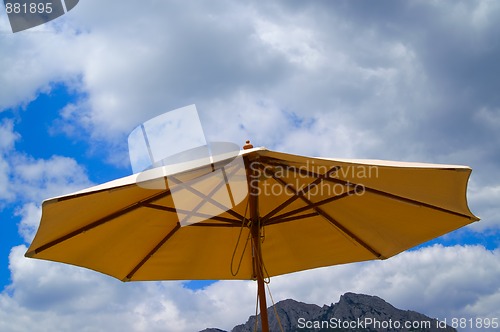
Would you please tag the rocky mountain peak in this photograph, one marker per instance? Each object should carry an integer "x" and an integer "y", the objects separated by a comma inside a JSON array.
[{"x": 353, "y": 312}]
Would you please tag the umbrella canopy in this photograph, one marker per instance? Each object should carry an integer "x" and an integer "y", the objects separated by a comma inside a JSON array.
[{"x": 261, "y": 214}]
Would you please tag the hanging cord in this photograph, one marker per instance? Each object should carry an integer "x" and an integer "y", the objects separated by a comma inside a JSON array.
[
  {"x": 274, "y": 307},
  {"x": 260, "y": 259},
  {"x": 255, "y": 325},
  {"x": 234, "y": 273}
]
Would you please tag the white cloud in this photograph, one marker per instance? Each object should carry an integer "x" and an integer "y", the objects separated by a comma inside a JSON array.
[
  {"x": 30, "y": 215},
  {"x": 38, "y": 179},
  {"x": 316, "y": 79},
  {"x": 7, "y": 135},
  {"x": 474, "y": 16},
  {"x": 484, "y": 199},
  {"x": 26, "y": 181},
  {"x": 7, "y": 139},
  {"x": 302, "y": 49},
  {"x": 30, "y": 179},
  {"x": 459, "y": 281},
  {"x": 305, "y": 59},
  {"x": 5, "y": 193},
  {"x": 34, "y": 60},
  {"x": 180, "y": 56},
  {"x": 489, "y": 118},
  {"x": 83, "y": 300},
  {"x": 317, "y": 62},
  {"x": 442, "y": 282}
]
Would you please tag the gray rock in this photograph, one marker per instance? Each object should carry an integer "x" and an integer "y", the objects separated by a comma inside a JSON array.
[
  {"x": 357, "y": 312},
  {"x": 289, "y": 311},
  {"x": 353, "y": 312}
]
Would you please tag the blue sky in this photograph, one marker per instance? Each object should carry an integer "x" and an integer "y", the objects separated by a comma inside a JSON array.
[{"x": 410, "y": 81}]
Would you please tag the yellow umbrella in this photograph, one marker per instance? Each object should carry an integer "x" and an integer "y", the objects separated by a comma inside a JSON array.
[{"x": 254, "y": 216}]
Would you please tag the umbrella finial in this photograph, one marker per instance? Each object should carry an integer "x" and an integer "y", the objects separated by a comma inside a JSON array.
[{"x": 247, "y": 145}]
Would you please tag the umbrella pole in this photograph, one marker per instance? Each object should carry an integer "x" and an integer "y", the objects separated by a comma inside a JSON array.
[
  {"x": 263, "y": 305},
  {"x": 257, "y": 250},
  {"x": 261, "y": 291}
]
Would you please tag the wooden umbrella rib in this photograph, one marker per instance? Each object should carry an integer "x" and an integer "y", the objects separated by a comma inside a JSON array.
[
  {"x": 400, "y": 198},
  {"x": 208, "y": 197},
  {"x": 291, "y": 199},
  {"x": 201, "y": 195},
  {"x": 312, "y": 174},
  {"x": 334, "y": 222},
  {"x": 226, "y": 224},
  {"x": 349, "y": 233},
  {"x": 99, "y": 222},
  {"x": 161, "y": 207},
  {"x": 279, "y": 220},
  {"x": 87, "y": 193},
  {"x": 228, "y": 187},
  {"x": 296, "y": 195},
  {"x": 301, "y": 170},
  {"x": 152, "y": 252},
  {"x": 112, "y": 216},
  {"x": 374, "y": 191},
  {"x": 369, "y": 189},
  {"x": 309, "y": 207},
  {"x": 197, "y": 214}
]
